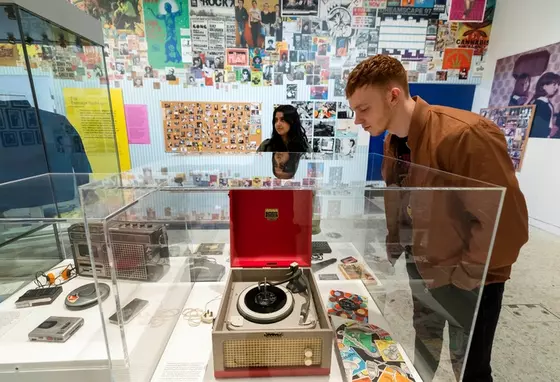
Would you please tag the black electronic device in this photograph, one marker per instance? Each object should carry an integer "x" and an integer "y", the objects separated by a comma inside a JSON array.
[
  {"x": 322, "y": 265},
  {"x": 130, "y": 311},
  {"x": 202, "y": 269},
  {"x": 39, "y": 296},
  {"x": 56, "y": 329},
  {"x": 85, "y": 296},
  {"x": 320, "y": 247},
  {"x": 140, "y": 250}
]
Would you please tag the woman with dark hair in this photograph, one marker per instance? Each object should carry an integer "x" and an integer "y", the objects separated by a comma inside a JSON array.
[
  {"x": 520, "y": 94},
  {"x": 288, "y": 134},
  {"x": 547, "y": 88}
]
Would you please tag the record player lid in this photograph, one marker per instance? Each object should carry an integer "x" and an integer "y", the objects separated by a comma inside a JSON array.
[{"x": 270, "y": 228}]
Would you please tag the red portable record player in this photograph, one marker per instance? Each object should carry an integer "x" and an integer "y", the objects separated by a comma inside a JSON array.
[{"x": 271, "y": 320}]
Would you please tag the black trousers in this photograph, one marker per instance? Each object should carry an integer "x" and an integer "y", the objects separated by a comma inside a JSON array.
[
  {"x": 456, "y": 307},
  {"x": 255, "y": 33}
]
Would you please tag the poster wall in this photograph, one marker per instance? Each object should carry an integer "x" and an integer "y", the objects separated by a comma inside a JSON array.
[
  {"x": 185, "y": 41},
  {"x": 531, "y": 78},
  {"x": 218, "y": 127},
  {"x": 88, "y": 110},
  {"x": 515, "y": 122}
]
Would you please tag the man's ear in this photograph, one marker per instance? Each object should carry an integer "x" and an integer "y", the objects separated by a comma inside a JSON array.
[{"x": 394, "y": 94}]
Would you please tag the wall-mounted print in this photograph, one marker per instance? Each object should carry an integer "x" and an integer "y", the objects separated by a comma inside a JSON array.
[
  {"x": 256, "y": 22},
  {"x": 166, "y": 21},
  {"x": 300, "y": 7},
  {"x": 515, "y": 122},
  {"x": 457, "y": 58},
  {"x": 217, "y": 127},
  {"x": 467, "y": 10},
  {"x": 237, "y": 57},
  {"x": 531, "y": 78}
]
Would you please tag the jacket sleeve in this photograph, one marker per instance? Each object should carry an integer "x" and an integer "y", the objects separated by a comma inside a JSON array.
[{"x": 480, "y": 152}]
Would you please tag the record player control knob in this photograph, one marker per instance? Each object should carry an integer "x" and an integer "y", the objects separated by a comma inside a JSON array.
[
  {"x": 308, "y": 362},
  {"x": 237, "y": 321},
  {"x": 308, "y": 353}
]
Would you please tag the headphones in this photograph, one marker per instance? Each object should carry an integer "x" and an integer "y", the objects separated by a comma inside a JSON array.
[{"x": 43, "y": 280}]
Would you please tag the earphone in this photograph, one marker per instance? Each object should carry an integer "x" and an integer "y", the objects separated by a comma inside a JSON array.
[{"x": 43, "y": 280}]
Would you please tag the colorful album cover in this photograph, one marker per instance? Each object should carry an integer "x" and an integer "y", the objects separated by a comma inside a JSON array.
[
  {"x": 357, "y": 271},
  {"x": 389, "y": 350},
  {"x": 348, "y": 306},
  {"x": 360, "y": 345}
]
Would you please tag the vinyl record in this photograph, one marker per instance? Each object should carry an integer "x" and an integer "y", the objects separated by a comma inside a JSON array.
[{"x": 262, "y": 307}]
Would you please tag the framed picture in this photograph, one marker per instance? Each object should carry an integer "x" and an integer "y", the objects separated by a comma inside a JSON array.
[
  {"x": 27, "y": 138},
  {"x": 515, "y": 122},
  {"x": 9, "y": 139},
  {"x": 31, "y": 119},
  {"x": 14, "y": 119}
]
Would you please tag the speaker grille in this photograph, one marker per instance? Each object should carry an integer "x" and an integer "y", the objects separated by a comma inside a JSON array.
[
  {"x": 130, "y": 261},
  {"x": 271, "y": 352}
]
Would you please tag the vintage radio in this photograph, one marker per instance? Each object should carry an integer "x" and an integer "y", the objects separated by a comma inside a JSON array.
[
  {"x": 140, "y": 250},
  {"x": 271, "y": 320}
]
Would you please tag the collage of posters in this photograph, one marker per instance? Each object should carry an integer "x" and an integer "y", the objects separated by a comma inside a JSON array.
[
  {"x": 531, "y": 78},
  {"x": 515, "y": 122},
  {"x": 211, "y": 126},
  {"x": 309, "y": 41}
]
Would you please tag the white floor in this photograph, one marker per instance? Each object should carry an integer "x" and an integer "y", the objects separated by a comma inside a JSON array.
[{"x": 528, "y": 336}]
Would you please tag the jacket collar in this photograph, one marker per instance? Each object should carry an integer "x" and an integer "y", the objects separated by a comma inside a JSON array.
[{"x": 418, "y": 122}]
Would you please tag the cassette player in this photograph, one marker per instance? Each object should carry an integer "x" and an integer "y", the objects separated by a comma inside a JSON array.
[{"x": 140, "y": 250}]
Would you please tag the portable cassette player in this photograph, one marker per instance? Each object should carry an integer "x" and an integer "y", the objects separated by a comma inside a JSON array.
[{"x": 140, "y": 250}]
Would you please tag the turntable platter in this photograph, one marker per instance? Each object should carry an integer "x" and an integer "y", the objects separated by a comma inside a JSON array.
[{"x": 265, "y": 307}]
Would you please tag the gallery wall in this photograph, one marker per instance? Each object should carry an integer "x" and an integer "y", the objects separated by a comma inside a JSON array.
[
  {"x": 520, "y": 26},
  {"x": 328, "y": 37}
]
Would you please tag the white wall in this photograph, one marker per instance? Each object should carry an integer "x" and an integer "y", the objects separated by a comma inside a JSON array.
[{"x": 519, "y": 26}]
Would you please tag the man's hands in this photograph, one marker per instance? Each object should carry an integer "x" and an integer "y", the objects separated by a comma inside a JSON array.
[{"x": 394, "y": 249}]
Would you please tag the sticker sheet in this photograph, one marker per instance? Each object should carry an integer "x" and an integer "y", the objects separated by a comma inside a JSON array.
[{"x": 369, "y": 354}]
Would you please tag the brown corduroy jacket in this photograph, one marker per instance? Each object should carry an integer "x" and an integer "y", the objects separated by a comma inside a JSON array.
[{"x": 458, "y": 158}]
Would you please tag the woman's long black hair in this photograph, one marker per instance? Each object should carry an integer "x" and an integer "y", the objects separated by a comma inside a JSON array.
[{"x": 297, "y": 141}]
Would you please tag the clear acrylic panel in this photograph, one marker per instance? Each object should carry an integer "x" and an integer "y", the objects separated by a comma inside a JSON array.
[
  {"x": 37, "y": 256},
  {"x": 199, "y": 235},
  {"x": 73, "y": 104}
]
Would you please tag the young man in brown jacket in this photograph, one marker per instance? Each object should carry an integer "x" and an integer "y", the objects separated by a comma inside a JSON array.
[{"x": 445, "y": 234}]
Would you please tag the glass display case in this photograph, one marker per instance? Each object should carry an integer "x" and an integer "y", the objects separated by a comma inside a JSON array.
[
  {"x": 55, "y": 114},
  {"x": 38, "y": 277},
  {"x": 255, "y": 268}
]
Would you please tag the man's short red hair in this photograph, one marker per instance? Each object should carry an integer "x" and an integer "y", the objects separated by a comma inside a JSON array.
[{"x": 378, "y": 70}]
